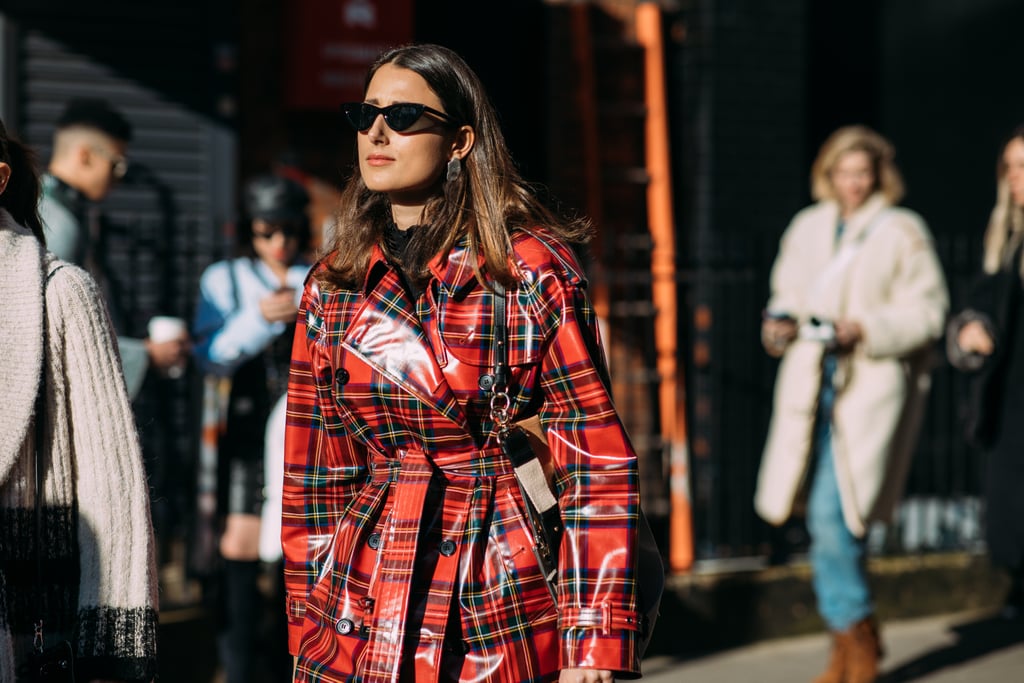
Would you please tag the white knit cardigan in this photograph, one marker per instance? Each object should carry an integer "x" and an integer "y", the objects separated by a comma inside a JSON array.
[{"x": 95, "y": 498}]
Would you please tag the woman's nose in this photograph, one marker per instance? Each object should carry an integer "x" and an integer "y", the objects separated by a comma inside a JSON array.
[{"x": 378, "y": 130}]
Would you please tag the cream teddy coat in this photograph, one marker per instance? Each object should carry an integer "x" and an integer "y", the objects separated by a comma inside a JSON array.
[
  {"x": 98, "y": 550},
  {"x": 894, "y": 287}
]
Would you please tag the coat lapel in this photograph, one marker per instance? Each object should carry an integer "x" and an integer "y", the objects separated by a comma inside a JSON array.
[
  {"x": 831, "y": 292},
  {"x": 388, "y": 336},
  {"x": 863, "y": 218}
]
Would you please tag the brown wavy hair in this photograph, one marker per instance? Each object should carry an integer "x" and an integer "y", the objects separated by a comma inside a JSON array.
[
  {"x": 858, "y": 138},
  {"x": 486, "y": 202},
  {"x": 21, "y": 197}
]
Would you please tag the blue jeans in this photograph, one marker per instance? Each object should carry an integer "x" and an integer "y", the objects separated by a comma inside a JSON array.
[{"x": 837, "y": 556}]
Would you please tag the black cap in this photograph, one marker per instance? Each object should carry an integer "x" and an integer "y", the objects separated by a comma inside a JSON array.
[
  {"x": 274, "y": 198},
  {"x": 97, "y": 113}
]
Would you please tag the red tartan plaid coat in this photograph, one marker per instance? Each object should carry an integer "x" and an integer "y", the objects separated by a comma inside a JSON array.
[{"x": 408, "y": 556}]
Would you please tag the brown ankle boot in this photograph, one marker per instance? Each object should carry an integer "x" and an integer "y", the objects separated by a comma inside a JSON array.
[
  {"x": 836, "y": 670},
  {"x": 865, "y": 649}
]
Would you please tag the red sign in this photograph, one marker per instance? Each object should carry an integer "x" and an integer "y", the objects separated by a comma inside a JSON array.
[{"x": 331, "y": 43}]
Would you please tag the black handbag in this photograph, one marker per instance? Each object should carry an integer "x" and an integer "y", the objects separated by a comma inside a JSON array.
[
  {"x": 526, "y": 447},
  {"x": 56, "y": 663}
]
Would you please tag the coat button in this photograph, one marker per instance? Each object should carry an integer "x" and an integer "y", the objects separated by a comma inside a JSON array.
[
  {"x": 344, "y": 626},
  {"x": 447, "y": 547},
  {"x": 340, "y": 377},
  {"x": 373, "y": 541}
]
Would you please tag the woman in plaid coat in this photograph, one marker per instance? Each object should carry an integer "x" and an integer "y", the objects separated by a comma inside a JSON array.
[{"x": 408, "y": 553}]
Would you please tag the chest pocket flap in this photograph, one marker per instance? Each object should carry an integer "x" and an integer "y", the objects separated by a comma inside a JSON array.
[{"x": 467, "y": 326}]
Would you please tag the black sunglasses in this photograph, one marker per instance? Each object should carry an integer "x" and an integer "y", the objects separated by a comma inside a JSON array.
[
  {"x": 398, "y": 116},
  {"x": 289, "y": 231}
]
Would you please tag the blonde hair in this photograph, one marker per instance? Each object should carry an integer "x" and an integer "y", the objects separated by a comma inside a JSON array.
[
  {"x": 888, "y": 180},
  {"x": 1006, "y": 222}
]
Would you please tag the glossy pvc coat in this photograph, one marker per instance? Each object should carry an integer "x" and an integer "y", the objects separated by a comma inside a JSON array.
[{"x": 408, "y": 554}]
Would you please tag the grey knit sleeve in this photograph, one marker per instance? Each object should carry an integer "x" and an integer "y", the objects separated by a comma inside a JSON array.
[{"x": 117, "y": 603}]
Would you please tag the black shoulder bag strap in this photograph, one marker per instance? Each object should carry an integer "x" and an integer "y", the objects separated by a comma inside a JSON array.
[
  {"x": 544, "y": 516},
  {"x": 37, "y": 471}
]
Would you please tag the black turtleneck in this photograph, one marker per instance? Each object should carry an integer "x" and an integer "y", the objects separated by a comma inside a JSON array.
[
  {"x": 396, "y": 240},
  {"x": 395, "y": 243}
]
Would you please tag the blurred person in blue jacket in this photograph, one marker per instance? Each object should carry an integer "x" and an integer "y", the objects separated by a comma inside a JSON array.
[{"x": 243, "y": 328}]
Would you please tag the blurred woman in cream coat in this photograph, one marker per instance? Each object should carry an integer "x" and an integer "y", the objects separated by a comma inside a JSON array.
[{"x": 858, "y": 297}]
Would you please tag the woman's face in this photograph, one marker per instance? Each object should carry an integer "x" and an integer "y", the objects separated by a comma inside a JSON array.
[
  {"x": 1013, "y": 158},
  {"x": 274, "y": 244},
  {"x": 853, "y": 179},
  {"x": 407, "y": 166}
]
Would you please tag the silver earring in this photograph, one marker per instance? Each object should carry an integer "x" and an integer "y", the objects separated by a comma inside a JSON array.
[{"x": 454, "y": 169}]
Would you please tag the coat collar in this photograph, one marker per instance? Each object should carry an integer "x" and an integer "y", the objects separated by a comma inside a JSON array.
[
  {"x": 454, "y": 270},
  {"x": 22, "y": 259},
  {"x": 863, "y": 217},
  {"x": 70, "y": 198}
]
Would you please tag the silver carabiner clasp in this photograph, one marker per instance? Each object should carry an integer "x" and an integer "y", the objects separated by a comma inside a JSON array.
[{"x": 500, "y": 403}]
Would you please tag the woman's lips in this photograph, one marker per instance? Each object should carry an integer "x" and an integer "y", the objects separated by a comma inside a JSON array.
[{"x": 377, "y": 160}]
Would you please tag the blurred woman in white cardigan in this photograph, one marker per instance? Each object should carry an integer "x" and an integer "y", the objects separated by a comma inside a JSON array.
[
  {"x": 857, "y": 299},
  {"x": 88, "y": 578}
]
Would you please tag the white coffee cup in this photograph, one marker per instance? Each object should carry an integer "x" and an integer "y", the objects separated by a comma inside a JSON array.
[{"x": 164, "y": 328}]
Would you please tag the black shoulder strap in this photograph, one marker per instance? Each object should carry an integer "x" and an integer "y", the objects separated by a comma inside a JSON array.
[
  {"x": 500, "y": 338},
  {"x": 40, "y": 419},
  {"x": 37, "y": 467}
]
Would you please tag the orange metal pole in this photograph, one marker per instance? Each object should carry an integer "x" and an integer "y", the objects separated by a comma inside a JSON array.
[{"x": 662, "y": 227}]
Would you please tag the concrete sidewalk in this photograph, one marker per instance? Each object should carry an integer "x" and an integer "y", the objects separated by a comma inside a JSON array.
[{"x": 967, "y": 647}]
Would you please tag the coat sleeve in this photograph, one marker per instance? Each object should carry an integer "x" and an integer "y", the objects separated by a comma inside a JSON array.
[
  {"x": 117, "y": 600},
  {"x": 598, "y": 485},
  {"x": 790, "y": 277},
  {"x": 915, "y": 313},
  {"x": 988, "y": 302},
  {"x": 322, "y": 465}
]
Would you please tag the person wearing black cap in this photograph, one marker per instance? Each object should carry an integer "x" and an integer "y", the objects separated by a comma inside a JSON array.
[
  {"x": 243, "y": 328},
  {"x": 89, "y": 157}
]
